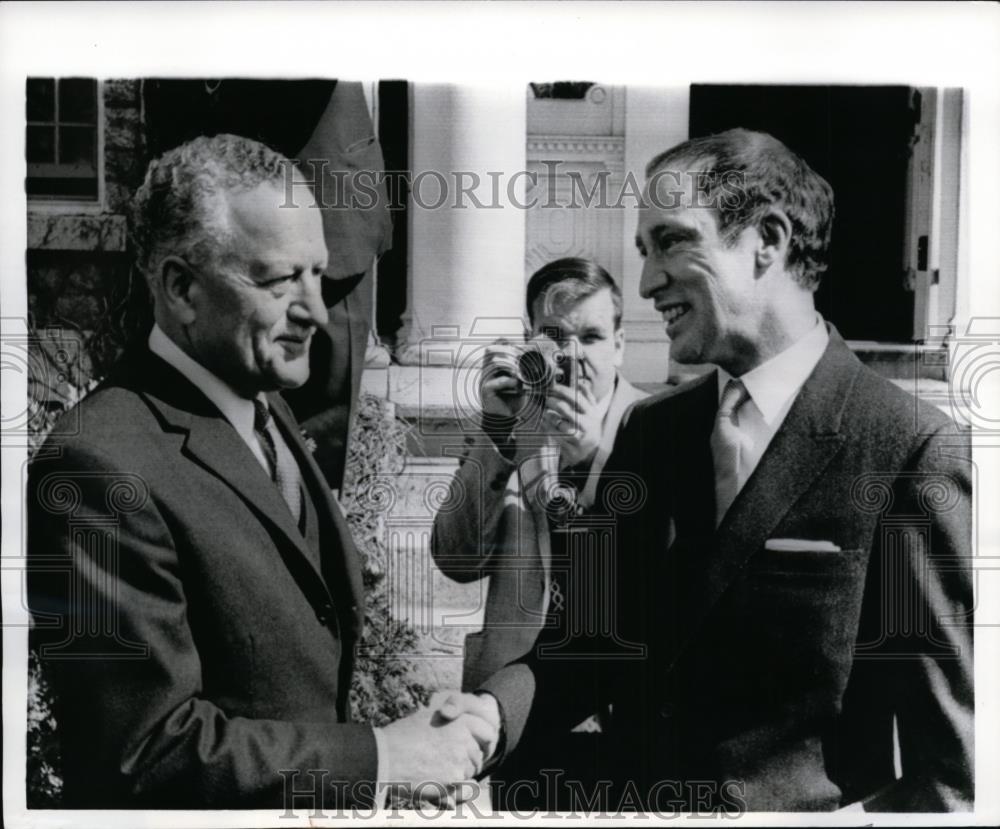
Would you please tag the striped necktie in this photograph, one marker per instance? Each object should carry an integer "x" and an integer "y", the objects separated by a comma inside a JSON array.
[{"x": 284, "y": 470}]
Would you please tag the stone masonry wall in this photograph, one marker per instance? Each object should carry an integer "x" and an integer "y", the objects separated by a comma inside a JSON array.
[{"x": 77, "y": 252}]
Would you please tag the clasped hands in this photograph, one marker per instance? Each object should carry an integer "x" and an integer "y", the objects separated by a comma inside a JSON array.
[{"x": 437, "y": 752}]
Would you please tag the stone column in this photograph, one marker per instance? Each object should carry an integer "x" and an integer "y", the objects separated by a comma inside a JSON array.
[
  {"x": 467, "y": 231},
  {"x": 655, "y": 119}
]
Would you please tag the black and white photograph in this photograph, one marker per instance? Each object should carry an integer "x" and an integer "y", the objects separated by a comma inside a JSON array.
[{"x": 500, "y": 412}]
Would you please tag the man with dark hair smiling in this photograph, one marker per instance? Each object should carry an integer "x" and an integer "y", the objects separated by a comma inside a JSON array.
[{"x": 798, "y": 572}]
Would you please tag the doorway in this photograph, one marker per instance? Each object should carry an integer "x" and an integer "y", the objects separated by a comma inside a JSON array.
[{"x": 858, "y": 138}]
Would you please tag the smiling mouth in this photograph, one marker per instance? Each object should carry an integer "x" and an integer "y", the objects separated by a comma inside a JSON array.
[{"x": 673, "y": 312}]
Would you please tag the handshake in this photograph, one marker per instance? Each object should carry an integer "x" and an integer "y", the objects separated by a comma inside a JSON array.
[{"x": 437, "y": 752}]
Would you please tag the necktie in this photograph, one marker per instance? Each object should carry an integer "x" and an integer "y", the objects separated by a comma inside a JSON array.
[
  {"x": 284, "y": 469},
  {"x": 726, "y": 440}
]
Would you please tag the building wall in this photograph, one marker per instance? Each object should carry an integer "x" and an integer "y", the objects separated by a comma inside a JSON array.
[{"x": 77, "y": 251}]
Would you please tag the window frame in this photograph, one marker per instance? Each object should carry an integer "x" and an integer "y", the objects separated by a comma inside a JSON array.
[{"x": 64, "y": 204}]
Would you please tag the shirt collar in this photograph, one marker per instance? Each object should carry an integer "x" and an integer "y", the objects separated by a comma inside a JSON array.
[
  {"x": 237, "y": 410},
  {"x": 604, "y": 404},
  {"x": 773, "y": 384}
]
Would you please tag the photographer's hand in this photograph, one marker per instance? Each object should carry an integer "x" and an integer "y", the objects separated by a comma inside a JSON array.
[
  {"x": 573, "y": 416},
  {"x": 500, "y": 393}
]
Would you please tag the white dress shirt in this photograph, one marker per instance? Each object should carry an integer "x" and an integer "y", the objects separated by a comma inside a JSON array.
[{"x": 772, "y": 388}]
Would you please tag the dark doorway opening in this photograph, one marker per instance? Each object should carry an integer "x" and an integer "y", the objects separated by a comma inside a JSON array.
[
  {"x": 857, "y": 138},
  {"x": 394, "y": 136}
]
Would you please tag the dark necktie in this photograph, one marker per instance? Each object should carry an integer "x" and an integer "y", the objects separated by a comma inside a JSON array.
[{"x": 284, "y": 469}]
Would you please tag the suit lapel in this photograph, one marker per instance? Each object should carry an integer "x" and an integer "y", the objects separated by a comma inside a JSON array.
[
  {"x": 624, "y": 395},
  {"x": 343, "y": 572},
  {"x": 705, "y": 561},
  {"x": 690, "y": 460},
  {"x": 799, "y": 452},
  {"x": 214, "y": 444}
]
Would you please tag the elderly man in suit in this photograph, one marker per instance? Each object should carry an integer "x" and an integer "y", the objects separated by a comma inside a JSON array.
[
  {"x": 493, "y": 527},
  {"x": 794, "y": 570},
  {"x": 195, "y": 583}
]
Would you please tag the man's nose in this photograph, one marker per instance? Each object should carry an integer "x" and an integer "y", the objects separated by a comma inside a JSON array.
[
  {"x": 309, "y": 308},
  {"x": 653, "y": 277}
]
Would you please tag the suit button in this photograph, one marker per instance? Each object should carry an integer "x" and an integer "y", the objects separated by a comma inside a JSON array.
[
  {"x": 666, "y": 711},
  {"x": 325, "y": 614}
]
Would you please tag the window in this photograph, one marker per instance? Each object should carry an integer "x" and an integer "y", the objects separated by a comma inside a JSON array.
[
  {"x": 859, "y": 138},
  {"x": 61, "y": 141}
]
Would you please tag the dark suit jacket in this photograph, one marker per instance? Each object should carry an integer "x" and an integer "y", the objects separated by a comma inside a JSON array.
[
  {"x": 777, "y": 674},
  {"x": 197, "y": 646}
]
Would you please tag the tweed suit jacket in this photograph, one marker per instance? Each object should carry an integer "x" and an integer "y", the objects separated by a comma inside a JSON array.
[
  {"x": 492, "y": 526},
  {"x": 200, "y": 650},
  {"x": 775, "y": 655}
]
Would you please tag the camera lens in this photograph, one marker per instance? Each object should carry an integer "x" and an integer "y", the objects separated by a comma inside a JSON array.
[{"x": 534, "y": 368}]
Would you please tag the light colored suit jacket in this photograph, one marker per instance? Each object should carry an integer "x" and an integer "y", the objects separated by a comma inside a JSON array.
[{"x": 494, "y": 526}]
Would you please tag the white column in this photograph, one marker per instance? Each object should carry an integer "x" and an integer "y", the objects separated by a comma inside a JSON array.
[
  {"x": 467, "y": 232},
  {"x": 655, "y": 120}
]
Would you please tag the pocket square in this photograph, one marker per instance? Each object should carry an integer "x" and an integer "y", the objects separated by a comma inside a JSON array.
[{"x": 791, "y": 545}]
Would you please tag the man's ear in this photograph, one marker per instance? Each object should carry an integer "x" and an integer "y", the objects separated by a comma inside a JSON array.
[
  {"x": 775, "y": 230},
  {"x": 179, "y": 289}
]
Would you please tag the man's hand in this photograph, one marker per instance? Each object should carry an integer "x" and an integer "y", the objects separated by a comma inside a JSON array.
[
  {"x": 500, "y": 391},
  {"x": 427, "y": 747},
  {"x": 573, "y": 416},
  {"x": 453, "y": 706}
]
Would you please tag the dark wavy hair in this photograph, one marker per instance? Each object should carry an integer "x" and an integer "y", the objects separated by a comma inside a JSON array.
[
  {"x": 571, "y": 280},
  {"x": 748, "y": 172}
]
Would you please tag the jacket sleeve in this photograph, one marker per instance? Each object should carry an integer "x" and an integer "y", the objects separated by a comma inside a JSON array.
[
  {"x": 109, "y": 605},
  {"x": 928, "y": 639},
  {"x": 537, "y": 693},
  {"x": 468, "y": 526}
]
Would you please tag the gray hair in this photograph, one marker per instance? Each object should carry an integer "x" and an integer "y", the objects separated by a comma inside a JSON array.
[{"x": 180, "y": 209}]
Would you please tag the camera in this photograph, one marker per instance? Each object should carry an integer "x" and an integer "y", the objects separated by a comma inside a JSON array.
[
  {"x": 537, "y": 366},
  {"x": 492, "y": 348}
]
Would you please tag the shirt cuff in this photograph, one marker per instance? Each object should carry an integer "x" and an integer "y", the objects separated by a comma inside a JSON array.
[{"x": 489, "y": 763}]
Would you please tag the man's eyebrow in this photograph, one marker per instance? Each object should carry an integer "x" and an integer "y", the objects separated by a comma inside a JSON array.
[
  {"x": 676, "y": 233},
  {"x": 669, "y": 233},
  {"x": 268, "y": 270}
]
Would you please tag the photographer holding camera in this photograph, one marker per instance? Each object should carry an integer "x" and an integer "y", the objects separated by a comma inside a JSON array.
[{"x": 551, "y": 408}]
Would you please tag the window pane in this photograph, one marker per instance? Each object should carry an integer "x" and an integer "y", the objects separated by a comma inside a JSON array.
[
  {"x": 78, "y": 100},
  {"x": 41, "y": 99},
  {"x": 76, "y": 189},
  {"x": 76, "y": 146},
  {"x": 41, "y": 146}
]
